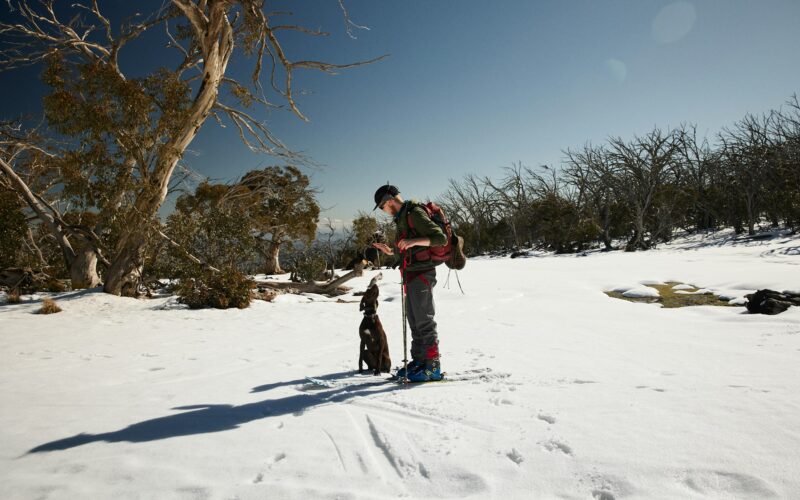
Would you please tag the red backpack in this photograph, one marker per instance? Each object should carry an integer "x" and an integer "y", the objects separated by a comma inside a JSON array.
[{"x": 447, "y": 253}]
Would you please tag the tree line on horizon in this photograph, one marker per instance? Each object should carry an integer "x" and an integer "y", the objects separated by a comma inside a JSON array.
[{"x": 640, "y": 191}]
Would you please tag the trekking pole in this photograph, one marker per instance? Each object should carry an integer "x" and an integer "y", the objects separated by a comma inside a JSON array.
[
  {"x": 405, "y": 320},
  {"x": 405, "y": 338}
]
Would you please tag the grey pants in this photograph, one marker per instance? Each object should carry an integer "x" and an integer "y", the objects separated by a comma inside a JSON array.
[{"x": 420, "y": 311}]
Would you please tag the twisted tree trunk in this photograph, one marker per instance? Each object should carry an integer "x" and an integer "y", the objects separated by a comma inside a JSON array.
[
  {"x": 215, "y": 36},
  {"x": 272, "y": 256},
  {"x": 83, "y": 271}
]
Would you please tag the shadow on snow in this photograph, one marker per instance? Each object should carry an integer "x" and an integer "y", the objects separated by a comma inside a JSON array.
[{"x": 208, "y": 418}]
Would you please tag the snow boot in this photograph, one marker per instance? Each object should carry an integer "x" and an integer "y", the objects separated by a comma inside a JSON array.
[
  {"x": 431, "y": 371},
  {"x": 413, "y": 365}
]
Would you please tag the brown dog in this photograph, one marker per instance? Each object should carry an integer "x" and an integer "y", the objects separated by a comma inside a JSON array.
[{"x": 374, "y": 347}]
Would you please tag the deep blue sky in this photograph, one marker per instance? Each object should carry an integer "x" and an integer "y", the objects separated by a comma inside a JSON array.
[{"x": 473, "y": 86}]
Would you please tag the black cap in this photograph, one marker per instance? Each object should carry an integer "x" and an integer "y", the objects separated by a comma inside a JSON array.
[{"x": 384, "y": 193}]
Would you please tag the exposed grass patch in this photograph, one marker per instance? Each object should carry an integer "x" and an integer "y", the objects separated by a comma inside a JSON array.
[
  {"x": 671, "y": 298},
  {"x": 49, "y": 306}
]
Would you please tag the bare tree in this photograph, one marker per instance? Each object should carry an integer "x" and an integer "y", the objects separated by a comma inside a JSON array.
[
  {"x": 746, "y": 151},
  {"x": 514, "y": 199},
  {"x": 789, "y": 131},
  {"x": 700, "y": 164},
  {"x": 590, "y": 171},
  {"x": 472, "y": 203},
  {"x": 329, "y": 245},
  {"x": 640, "y": 168}
]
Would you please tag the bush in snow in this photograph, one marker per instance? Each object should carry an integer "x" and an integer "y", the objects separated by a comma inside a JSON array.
[
  {"x": 222, "y": 290},
  {"x": 307, "y": 264},
  {"x": 49, "y": 306},
  {"x": 13, "y": 297}
]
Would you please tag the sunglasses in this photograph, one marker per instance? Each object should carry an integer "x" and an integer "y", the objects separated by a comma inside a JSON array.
[{"x": 383, "y": 202}]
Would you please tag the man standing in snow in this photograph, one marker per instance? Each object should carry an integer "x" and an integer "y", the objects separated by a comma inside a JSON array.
[{"x": 419, "y": 278}]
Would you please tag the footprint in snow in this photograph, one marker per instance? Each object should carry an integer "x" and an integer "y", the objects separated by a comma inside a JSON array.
[
  {"x": 515, "y": 456},
  {"x": 747, "y": 388},
  {"x": 716, "y": 483},
  {"x": 657, "y": 389},
  {"x": 270, "y": 464},
  {"x": 554, "y": 445},
  {"x": 275, "y": 459},
  {"x": 608, "y": 487},
  {"x": 546, "y": 418}
]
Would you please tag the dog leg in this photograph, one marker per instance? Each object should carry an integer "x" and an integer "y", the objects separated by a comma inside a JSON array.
[{"x": 381, "y": 350}]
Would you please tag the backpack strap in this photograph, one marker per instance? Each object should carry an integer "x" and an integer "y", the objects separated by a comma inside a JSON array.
[{"x": 411, "y": 206}]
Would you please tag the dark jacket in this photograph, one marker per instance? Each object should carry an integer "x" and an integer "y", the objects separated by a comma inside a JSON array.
[{"x": 423, "y": 227}]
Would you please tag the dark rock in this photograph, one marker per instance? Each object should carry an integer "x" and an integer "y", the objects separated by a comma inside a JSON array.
[{"x": 771, "y": 302}]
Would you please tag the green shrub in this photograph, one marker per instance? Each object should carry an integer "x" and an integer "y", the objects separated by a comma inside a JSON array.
[
  {"x": 311, "y": 268},
  {"x": 12, "y": 229},
  {"x": 223, "y": 290}
]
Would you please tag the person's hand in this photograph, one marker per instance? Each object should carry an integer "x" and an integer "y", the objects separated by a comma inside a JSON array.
[
  {"x": 404, "y": 245},
  {"x": 383, "y": 247}
]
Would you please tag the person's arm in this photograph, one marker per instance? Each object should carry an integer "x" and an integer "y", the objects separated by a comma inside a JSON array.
[
  {"x": 404, "y": 245},
  {"x": 430, "y": 234}
]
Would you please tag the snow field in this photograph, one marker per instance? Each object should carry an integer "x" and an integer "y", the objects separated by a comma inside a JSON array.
[{"x": 584, "y": 396}]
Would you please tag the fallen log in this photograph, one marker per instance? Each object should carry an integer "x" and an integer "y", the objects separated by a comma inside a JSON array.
[
  {"x": 330, "y": 288},
  {"x": 27, "y": 280}
]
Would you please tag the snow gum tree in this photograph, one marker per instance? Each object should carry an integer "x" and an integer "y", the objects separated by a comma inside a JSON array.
[
  {"x": 125, "y": 135},
  {"x": 282, "y": 206},
  {"x": 215, "y": 232},
  {"x": 364, "y": 228}
]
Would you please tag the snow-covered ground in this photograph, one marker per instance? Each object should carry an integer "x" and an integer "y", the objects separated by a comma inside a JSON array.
[{"x": 581, "y": 395}]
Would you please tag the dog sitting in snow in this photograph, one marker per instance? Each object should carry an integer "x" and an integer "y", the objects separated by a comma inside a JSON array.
[{"x": 374, "y": 348}]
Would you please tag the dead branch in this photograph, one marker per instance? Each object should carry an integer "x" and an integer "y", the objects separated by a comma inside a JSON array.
[
  {"x": 254, "y": 134},
  {"x": 329, "y": 288},
  {"x": 25, "y": 279},
  {"x": 348, "y": 23},
  {"x": 186, "y": 253}
]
